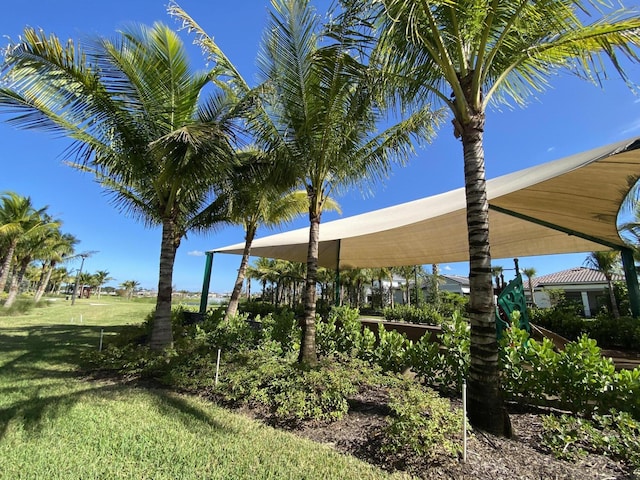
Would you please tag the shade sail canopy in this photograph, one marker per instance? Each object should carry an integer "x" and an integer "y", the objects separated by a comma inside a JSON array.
[{"x": 565, "y": 206}]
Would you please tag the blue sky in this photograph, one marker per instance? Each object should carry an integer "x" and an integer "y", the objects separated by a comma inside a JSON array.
[{"x": 571, "y": 117}]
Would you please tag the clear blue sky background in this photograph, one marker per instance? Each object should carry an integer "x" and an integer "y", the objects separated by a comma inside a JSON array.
[{"x": 573, "y": 116}]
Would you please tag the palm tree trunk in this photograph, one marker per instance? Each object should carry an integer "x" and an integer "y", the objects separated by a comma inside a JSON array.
[
  {"x": 485, "y": 407},
  {"x": 45, "y": 282},
  {"x": 16, "y": 281},
  {"x": 308, "y": 353},
  {"x": 161, "y": 333},
  {"x": 6, "y": 266},
  {"x": 232, "y": 308},
  {"x": 612, "y": 299}
]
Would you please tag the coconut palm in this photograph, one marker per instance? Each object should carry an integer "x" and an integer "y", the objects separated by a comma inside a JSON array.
[
  {"x": 530, "y": 273},
  {"x": 136, "y": 113},
  {"x": 320, "y": 118},
  {"x": 101, "y": 277},
  {"x": 58, "y": 247},
  {"x": 129, "y": 287},
  {"x": 257, "y": 201},
  {"x": 607, "y": 263},
  {"x": 31, "y": 246},
  {"x": 464, "y": 55},
  {"x": 18, "y": 220}
]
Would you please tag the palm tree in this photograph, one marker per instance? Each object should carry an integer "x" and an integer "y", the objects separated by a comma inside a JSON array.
[
  {"x": 129, "y": 287},
  {"x": 463, "y": 55},
  {"x": 135, "y": 111},
  {"x": 607, "y": 263},
  {"x": 18, "y": 220},
  {"x": 101, "y": 277},
  {"x": 59, "y": 247},
  {"x": 319, "y": 116},
  {"x": 530, "y": 273},
  {"x": 257, "y": 200},
  {"x": 30, "y": 247},
  {"x": 408, "y": 273}
]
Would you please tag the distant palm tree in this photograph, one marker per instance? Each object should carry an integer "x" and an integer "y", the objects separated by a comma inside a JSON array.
[
  {"x": 530, "y": 273},
  {"x": 30, "y": 247},
  {"x": 129, "y": 287},
  {"x": 140, "y": 123},
  {"x": 18, "y": 220},
  {"x": 101, "y": 277},
  {"x": 607, "y": 263},
  {"x": 59, "y": 247}
]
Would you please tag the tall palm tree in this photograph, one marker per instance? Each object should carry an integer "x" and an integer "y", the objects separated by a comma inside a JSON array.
[
  {"x": 607, "y": 263},
  {"x": 140, "y": 123},
  {"x": 327, "y": 117},
  {"x": 320, "y": 117},
  {"x": 18, "y": 220},
  {"x": 464, "y": 55},
  {"x": 530, "y": 273}
]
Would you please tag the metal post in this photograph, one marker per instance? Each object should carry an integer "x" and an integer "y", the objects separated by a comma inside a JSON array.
[
  {"x": 75, "y": 287},
  {"x": 206, "y": 282},
  {"x": 337, "y": 279},
  {"x": 631, "y": 276}
]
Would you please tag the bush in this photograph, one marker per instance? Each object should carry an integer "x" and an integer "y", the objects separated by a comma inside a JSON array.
[
  {"x": 342, "y": 332},
  {"x": 422, "y": 422},
  {"x": 577, "y": 379},
  {"x": 393, "y": 350},
  {"x": 426, "y": 313},
  {"x": 445, "y": 365},
  {"x": 615, "y": 434}
]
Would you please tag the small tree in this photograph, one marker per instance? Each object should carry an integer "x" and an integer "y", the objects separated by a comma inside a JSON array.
[{"x": 530, "y": 273}]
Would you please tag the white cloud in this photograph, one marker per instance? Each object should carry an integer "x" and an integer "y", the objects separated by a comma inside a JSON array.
[
  {"x": 196, "y": 253},
  {"x": 632, "y": 127},
  {"x": 447, "y": 268},
  {"x": 551, "y": 149}
]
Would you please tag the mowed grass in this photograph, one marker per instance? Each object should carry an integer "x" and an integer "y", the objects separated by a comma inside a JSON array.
[{"x": 56, "y": 425}]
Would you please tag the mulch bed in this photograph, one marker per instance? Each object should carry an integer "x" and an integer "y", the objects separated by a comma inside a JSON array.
[{"x": 360, "y": 433}]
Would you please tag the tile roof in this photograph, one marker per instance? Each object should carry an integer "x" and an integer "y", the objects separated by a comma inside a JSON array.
[{"x": 573, "y": 276}]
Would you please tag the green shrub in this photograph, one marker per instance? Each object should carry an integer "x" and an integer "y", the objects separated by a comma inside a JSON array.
[
  {"x": 578, "y": 378},
  {"x": 615, "y": 434},
  {"x": 444, "y": 366},
  {"x": 282, "y": 327},
  {"x": 422, "y": 422},
  {"x": 426, "y": 313},
  {"x": 393, "y": 350},
  {"x": 21, "y": 306},
  {"x": 342, "y": 332}
]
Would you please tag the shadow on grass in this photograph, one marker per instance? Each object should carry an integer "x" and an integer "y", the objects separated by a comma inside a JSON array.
[{"x": 43, "y": 361}]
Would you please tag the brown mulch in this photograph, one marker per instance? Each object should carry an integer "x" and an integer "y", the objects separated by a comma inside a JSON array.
[{"x": 360, "y": 433}]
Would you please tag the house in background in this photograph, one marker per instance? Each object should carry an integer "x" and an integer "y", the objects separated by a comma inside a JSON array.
[{"x": 584, "y": 285}]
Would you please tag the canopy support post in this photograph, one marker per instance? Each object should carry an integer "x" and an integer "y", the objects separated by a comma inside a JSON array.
[
  {"x": 206, "y": 282},
  {"x": 337, "y": 279},
  {"x": 631, "y": 276}
]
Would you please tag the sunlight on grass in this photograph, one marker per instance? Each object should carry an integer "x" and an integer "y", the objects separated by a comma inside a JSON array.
[{"x": 54, "y": 425}]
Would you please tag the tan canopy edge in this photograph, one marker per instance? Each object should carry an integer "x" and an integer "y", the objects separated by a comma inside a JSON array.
[{"x": 580, "y": 195}]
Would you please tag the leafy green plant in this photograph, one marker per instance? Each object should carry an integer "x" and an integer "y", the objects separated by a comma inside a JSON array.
[
  {"x": 615, "y": 434},
  {"x": 392, "y": 351},
  {"x": 421, "y": 422},
  {"x": 426, "y": 313}
]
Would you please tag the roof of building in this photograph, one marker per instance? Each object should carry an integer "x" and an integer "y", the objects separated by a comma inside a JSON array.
[
  {"x": 573, "y": 276},
  {"x": 457, "y": 279}
]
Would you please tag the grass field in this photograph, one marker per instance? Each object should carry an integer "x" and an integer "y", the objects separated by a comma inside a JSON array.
[{"x": 55, "y": 425}]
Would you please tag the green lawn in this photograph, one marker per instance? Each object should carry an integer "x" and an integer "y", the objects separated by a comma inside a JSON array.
[{"x": 55, "y": 425}]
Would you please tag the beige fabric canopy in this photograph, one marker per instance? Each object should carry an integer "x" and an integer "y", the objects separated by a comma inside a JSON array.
[{"x": 565, "y": 206}]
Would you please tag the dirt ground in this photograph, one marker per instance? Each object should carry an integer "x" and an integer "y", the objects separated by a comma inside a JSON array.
[{"x": 488, "y": 457}]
